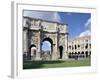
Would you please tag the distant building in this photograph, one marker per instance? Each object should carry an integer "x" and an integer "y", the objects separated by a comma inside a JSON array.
[{"x": 79, "y": 47}]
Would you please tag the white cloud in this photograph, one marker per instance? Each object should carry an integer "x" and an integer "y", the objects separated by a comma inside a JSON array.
[
  {"x": 47, "y": 43},
  {"x": 69, "y": 13},
  {"x": 85, "y": 33},
  {"x": 45, "y": 15},
  {"x": 88, "y": 23}
]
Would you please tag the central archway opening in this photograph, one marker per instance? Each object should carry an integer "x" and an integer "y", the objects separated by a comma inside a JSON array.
[
  {"x": 61, "y": 51},
  {"x": 47, "y": 46}
]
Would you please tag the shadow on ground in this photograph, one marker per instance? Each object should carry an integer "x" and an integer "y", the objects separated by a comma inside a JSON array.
[
  {"x": 38, "y": 64},
  {"x": 56, "y": 63}
]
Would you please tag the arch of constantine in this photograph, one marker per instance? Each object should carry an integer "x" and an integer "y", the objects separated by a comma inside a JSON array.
[{"x": 36, "y": 31}]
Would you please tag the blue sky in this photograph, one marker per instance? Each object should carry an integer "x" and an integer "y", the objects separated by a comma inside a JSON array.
[
  {"x": 76, "y": 23},
  {"x": 79, "y": 24},
  {"x": 46, "y": 46}
]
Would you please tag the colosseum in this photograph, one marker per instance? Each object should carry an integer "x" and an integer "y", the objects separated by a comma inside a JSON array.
[{"x": 79, "y": 48}]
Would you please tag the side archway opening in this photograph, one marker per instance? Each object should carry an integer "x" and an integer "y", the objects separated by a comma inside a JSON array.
[
  {"x": 32, "y": 52},
  {"x": 61, "y": 51}
]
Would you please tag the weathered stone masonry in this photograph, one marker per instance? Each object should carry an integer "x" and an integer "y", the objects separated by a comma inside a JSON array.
[{"x": 35, "y": 31}]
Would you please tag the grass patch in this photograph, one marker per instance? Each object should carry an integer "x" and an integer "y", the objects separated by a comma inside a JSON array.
[{"x": 55, "y": 64}]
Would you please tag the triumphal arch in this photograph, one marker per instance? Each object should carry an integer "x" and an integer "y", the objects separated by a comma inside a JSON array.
[{"x": 36, "y": 31}]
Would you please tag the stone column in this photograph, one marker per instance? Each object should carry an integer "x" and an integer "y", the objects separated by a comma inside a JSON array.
[
  {"x": 54, "y": 53},
  {"x": 25, "y": 43},
  {"x": 65, "y": 51},
  {"x": 38, "y": 48}
]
